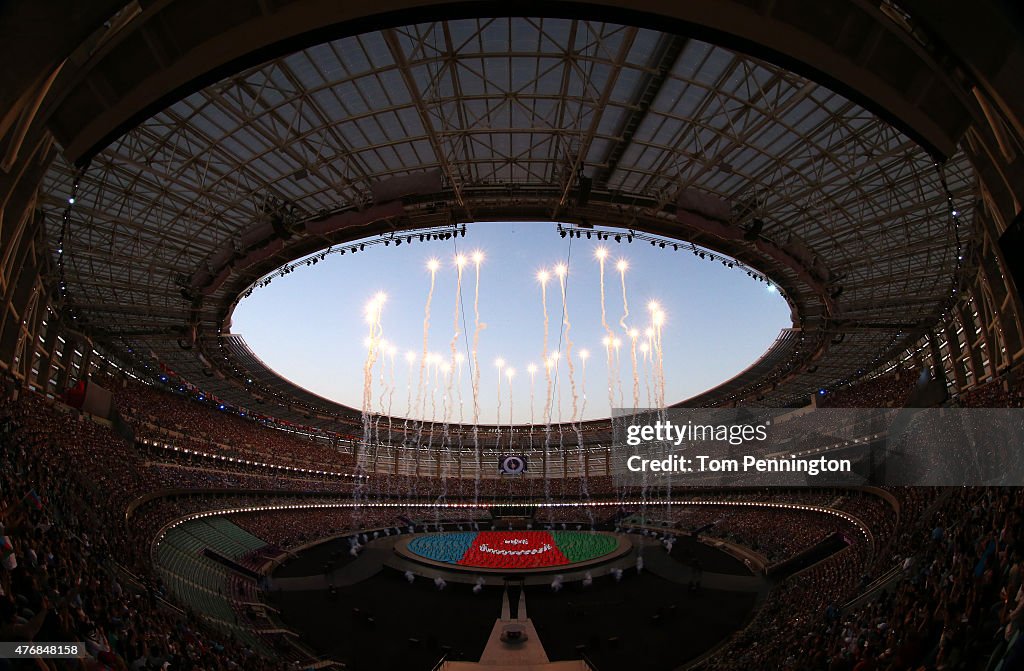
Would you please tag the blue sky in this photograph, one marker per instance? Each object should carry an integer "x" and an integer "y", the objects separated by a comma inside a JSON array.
[{"x": 309, "y": 326}]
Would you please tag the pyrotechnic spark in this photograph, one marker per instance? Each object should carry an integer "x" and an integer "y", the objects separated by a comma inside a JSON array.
[
  {"x": 421, "y": 401},
  {"x": 509, "y": 374},
  {"x": 460, "y": 263},
  {"x": 607, "y": 341},
  {"x": 633, "y": 335},
  {"x": 499, "y": 363},
  {"x": 374, "y": 308},
  {"x": 446, "y": 398},
  {"x": 583, "y": 355},
  {"x": 658, "y": 319},
  {"x": 616, "y": 344},
  {"x": 410, "y": 359},
  {"x": 478, "y": 258},
  {"x": 435, "y": 362},
  {"x": 532, "y": 370},
  {"x": 645, "y": 348},
  {"x": 561, "y": 270},
  {"x": 622, "y": 266},
  {"x": 543, "y": 276},
  {"x": 392, "y": 351},
  {"x": 459, "y": 360}
]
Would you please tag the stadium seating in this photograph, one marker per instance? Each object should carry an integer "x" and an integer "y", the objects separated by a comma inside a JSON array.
[{"x": 63, "y": 460}]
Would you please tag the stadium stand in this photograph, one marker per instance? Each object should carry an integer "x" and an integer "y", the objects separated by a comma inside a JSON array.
[{"x": 161, "y": 161}]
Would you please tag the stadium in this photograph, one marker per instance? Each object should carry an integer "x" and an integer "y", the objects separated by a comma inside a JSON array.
[{"x": 444, "y": 336}]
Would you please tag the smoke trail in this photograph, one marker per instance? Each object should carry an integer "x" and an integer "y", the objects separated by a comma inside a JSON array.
[
  {"x": 432, "y": 266},
  {"x": 478, "y": 257},
  {"x": 622, "y": 267},
  {"x": 446, "y": 393},
  {"x": 384, "y": 347},
  {"x": 657, "y": 321},
  {"x": 510, "y": 373},
  {"x": 532, "y": 370},
  {"x": 660, "y": 379},
  {"x": 460, "y": 263},
  {"x": 391, "y": 393},
  {"x": 633, "y": 335},
  {"x": 582, "y": 466},
  {"x": 601, "y": 255},
  {"x": 478, "y": 326},
  {"x": 500, "y": 363},
  {"x": 562, "y": 271},
  {"x": 646, "y": 349},
  {"x": 410, "y": 357},
  {"x": 607, "y": 342},
  {"x": 380, "y": 412},
  {"x": 367, "y": 370},
  {"x": 367, "y": 381},
  {"x": 458, "y": 385},
  {"x": 373, "y": 313},
  {"x": 543, "y": 278},
  {"x": 618, "y": 369},
  {"x": 373, "y": 317},
  {"x": 435, "y": 366},
  {"x": 556, "y": 360},
  {"x": 583, "y": 381}
]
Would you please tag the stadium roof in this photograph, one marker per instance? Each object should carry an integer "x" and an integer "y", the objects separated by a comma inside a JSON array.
[{"x": 436, "y": 124}]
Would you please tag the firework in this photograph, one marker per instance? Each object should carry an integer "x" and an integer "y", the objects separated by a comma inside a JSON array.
[
  {"x": 478, "y": 258},
  {"x": 421, "y": 401},
  {"x": 543, "y": 276},
  {"x": 561, "y": 270}
]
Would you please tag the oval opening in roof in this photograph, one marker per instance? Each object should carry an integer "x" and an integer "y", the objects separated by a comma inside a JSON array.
[{"x": 394, "y": 330}]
